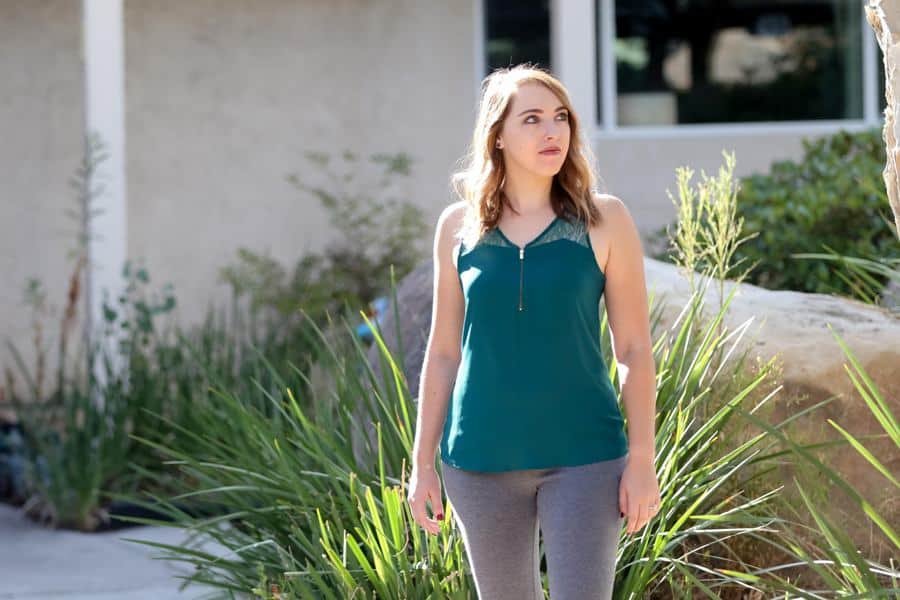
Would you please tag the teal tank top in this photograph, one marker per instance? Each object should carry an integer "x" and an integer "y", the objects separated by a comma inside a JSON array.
[{"x": 532, "y": 389}]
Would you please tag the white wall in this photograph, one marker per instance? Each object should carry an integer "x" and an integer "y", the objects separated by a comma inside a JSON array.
[
  {"x": 223, "y": 99},
  {"x": 41, "y": 117}
]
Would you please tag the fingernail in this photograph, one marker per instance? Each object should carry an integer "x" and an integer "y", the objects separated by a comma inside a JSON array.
[
  {"x": 621, "y": 514},
  {"x": 440, "y": 517}
]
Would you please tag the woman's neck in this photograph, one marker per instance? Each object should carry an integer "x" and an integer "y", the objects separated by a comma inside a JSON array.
[{"x": 533, "y": 198}]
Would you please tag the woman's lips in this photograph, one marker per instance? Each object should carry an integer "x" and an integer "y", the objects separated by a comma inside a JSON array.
[{"x": 550, "y": 152}]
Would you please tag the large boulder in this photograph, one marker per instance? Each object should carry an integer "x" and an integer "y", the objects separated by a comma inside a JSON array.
[
  {"x": 414, "y": 296},
  {"x": 793, "y": 327}
]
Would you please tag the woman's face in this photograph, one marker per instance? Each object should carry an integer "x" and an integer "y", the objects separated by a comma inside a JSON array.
[{"x": 536, "y": 121}]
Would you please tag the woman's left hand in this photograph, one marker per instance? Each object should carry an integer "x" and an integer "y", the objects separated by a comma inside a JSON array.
[{"x": 639, "y": 498}]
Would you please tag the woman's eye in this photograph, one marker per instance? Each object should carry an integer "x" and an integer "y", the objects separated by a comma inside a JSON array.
[{"x": 564, "y": 115}]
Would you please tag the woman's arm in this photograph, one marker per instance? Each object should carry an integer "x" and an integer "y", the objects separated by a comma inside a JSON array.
[
  {"x": 442, "y": 352},
  {"x": 629, "y": 322}
]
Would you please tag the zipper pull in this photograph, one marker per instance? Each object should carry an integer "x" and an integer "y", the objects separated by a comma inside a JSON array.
[{"x": 521, "y": 269}]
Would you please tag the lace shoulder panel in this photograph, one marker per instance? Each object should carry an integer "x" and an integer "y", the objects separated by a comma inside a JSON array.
[{"x": 566, "y": 227}]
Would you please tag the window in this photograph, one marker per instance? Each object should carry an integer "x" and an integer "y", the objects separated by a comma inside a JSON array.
[
  {"x": 730, "y": 61},
  {"x": 517, "y": 31}
]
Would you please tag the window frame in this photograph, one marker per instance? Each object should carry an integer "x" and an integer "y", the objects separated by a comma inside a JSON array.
[{"x": 573, "y": 27}]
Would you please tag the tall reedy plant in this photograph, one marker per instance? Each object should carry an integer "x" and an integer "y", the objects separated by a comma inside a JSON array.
[
  {"x": 289, "y": 488},
  {"x": 706, "y": 239}
]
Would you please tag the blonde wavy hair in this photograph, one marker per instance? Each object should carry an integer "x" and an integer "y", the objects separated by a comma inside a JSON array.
[{"x": 479, "y": 182}]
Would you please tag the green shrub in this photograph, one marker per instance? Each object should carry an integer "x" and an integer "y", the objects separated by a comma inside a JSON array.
[
  {"x": 76, "y": 430},
  {"x": 375, "y": 232},
  {"x": 834, "y": 197}
]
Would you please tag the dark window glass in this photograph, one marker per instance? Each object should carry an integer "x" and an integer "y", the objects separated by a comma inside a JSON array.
[
  {"x": 517, "y": 31},
  {"x": 726, "y": 61}
]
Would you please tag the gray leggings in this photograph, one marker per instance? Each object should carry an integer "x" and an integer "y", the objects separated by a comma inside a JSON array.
[{"x": 576, "y": 509}]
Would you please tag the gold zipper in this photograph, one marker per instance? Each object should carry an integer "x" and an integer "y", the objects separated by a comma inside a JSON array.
[{"x": 521, "y": 271}]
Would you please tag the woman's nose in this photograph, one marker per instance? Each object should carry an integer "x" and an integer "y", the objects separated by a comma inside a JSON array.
[{"x": 552, "y": 131}]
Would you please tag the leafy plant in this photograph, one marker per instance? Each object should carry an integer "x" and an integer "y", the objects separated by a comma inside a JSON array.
[
  {"x": 294, "y": 482},
  {"x": 375, "y": 231},
  {"x": 804, "y": 206},
  {"x": 76, "y": 434},
  {"x": 74, "y": 445},
  {"x": 862, "y": 276},
  {"x": 707, "y": 233}
]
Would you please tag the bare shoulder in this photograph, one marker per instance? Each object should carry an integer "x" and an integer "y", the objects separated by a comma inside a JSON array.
[
  {"x": 448, "y": 301},
  {"x": 610, "y": 206},
  {"x": 451, "y": 217},
  {"x": 453, "y": 213},
  {"x": 449, "y": 223},
  {"x": 614, "y": 216}
]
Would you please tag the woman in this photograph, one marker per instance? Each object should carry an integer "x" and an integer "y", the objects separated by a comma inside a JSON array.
[{"x": 514, "y": 388}]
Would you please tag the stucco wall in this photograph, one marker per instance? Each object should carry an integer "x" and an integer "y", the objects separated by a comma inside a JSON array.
[
  {"x": 224, "y": 99},
  {"x": 41, "y": 118}
]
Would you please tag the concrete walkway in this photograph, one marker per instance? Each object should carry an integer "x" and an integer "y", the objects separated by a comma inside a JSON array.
[{"x": 38, "y": 563}]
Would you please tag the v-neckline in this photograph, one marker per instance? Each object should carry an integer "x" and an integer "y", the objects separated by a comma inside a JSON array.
[{"x": 534, "y": 239}]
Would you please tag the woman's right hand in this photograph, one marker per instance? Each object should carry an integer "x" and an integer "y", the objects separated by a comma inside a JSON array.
[{"x": 424, "y": 486}]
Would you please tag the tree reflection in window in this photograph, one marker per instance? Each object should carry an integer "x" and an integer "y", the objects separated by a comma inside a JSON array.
[{"x": 719, "y": 61}]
